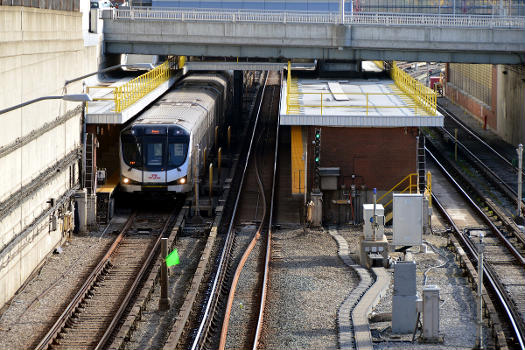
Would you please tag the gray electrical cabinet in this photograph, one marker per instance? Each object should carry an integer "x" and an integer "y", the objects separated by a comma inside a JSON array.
[
  {"x": 408, "y": 219},
  {"x": 431, "y": 313},
  {"x": 404, "y": 300},
  {"x": 329, "y": 178}
]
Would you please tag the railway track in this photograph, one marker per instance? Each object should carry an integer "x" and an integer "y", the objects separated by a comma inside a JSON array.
[
  {"x": 486, "y": 163},
  {"x": 193, "y": 323},
  {"x": 504, "y": 262},
  {"x": 241, "y": 326},
  {"x": 488, "y": 189},
  {"x": 208, "y": 333},
  {"x": 90, "y": 319}
]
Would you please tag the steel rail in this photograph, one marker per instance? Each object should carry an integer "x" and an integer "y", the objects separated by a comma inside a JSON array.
[
  {"x": 244, "y": 258},
  {"x": 262, "y": 302},
  {"x": 136, "y": 282},
  {"x": 504, "y": 187},
  {"x": 221, "y": 269},
  {"x": 443, "y": 111},
  {"x": 84, "y": 289},
  {"x": 486, "y": 219},
  {"x": 249, "y": 249},
  {"x": 488, "y": 274}
]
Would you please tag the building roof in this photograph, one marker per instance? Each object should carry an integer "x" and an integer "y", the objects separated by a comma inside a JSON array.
[{"x": 352, "y": 103}]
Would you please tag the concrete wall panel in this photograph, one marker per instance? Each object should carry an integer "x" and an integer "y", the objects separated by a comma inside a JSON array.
[
  {"x": 10, "y": 173},
  {"x": 11, "y": 226},
  {"x": 506, "y": 113},
  {"x": 52, "y": 52},
  {"x": 511, "y": 103}
]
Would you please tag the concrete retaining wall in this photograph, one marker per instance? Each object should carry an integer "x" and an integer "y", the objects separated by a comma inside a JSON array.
[
  {"x": 506, "y": 113},
  {"x": 511, "y": 103},
  {"x": 39, "y": 50}
]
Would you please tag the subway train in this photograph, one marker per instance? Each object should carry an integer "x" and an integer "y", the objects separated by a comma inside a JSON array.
[{"x": 158, "y": 149}]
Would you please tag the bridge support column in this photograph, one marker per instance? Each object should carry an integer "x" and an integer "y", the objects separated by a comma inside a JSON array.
[{"x": 237, "y": 96}]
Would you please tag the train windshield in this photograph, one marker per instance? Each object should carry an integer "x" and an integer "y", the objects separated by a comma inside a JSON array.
[
  {"x": 132, "y": 151},
  {"x": 155, "y": 152},
  {"x": 154, "y": 149}
]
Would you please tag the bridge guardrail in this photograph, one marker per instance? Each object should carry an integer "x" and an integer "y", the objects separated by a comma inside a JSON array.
[{"x": 400, "y": 19}]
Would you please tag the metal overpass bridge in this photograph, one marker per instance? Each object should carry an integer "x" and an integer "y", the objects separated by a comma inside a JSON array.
[{"x": 271, "y": 34}]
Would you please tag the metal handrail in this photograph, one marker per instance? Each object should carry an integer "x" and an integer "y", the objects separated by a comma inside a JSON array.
[
  {"x": 424, "y": 96},
  {"x": 368, "y": 18},
  {"x": 416, "y": 96},
  {"x": 408, "y": 177},
  {"x": 132, "y": 91},
  {"x": 412, "y": 184}
]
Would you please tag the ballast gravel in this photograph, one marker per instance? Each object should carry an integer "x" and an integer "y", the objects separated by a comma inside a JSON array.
[
  {"x": 308, "y": 282},
  {"x": 36, "y": 306},
  {"x": 152, "y": 331},
  {"x": 457, "y": 312}
]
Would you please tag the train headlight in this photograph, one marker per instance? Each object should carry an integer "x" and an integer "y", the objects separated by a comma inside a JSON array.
[
  {"x": 126, "y": 180},
  {"x": 182, "y": 180}
]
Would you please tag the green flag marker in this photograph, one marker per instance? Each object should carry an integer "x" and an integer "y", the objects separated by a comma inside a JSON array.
[{"x": 172, "y": 258}]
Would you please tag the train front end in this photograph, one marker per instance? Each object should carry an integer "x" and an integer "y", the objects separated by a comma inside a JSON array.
[{"x": 155, "y": 158}]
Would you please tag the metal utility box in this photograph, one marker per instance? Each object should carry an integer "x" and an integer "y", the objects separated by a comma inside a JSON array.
[
  {"x": 368, "y": 212},
  {"x": 408, "y": 219},
  {"x": 329, "y": 178},
  {"x": 431, "y": 313},
  {"x": 404, "y": 300}
]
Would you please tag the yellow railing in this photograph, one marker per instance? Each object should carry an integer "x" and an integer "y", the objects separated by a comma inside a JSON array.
[
  {"x": 428, "y": 189},
  {"x": 411, "y": 179},
  {"x": 132, "y": 91},
  {"x": 368, "y": 106},
  {"x": 380, "y": 64},
  {"x": 181, "y": 62},
  {"x": 409, "y": 183},
  {"x": 425, "y": 97}
]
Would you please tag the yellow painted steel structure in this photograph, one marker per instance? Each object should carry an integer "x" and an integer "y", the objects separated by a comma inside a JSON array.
[
  {"x": 425, "y": 97},
  {"x": 408, "y": 184},
  {"x": 132, "y": 91},
  {"x": 298, "y": 176},
  {"x": 295, "y": 105},
  {"x": 125, "y": 95},
  {"x": 292, "y": 93},
  {"x": 181, "y": 62},
  {"x": 415, "y": 94},
  {"x": 380, "y": 64}
]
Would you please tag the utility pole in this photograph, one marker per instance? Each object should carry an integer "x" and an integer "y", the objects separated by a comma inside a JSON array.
[
  {"x": 479, "y": 331},
  {"x": 317, "y": 160},
  {"x": 520, "y": 170},
  {"x": 164, "y": 302}
]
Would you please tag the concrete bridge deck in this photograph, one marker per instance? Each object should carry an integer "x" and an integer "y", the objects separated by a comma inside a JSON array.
[{"x": 408, "y": 37}]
